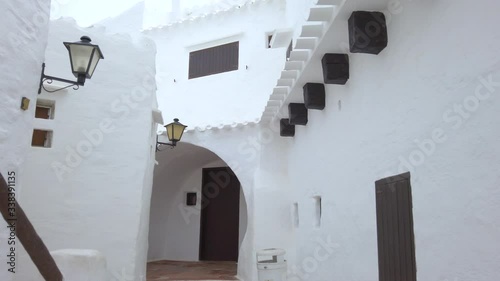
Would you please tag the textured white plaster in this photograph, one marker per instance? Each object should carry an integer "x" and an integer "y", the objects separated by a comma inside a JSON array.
[
  {"x": 81, "y": 265},
  {"x": 24, "y": 28},
  {"x": 391, "y": 104},
  {"x": 92, "y": 188},
  {"x": 439, "y": 54}
]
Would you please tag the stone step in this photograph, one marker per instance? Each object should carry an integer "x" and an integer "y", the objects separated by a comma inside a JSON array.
[
  {"x": 306, "y": 43},
  {"x": 285, "y": 82},
  {"x": 327, "y": 2},
  {"x": 315, "y": 29},
  {"x": 299, "y": 55},
  {"x": 321, "y": 13}
]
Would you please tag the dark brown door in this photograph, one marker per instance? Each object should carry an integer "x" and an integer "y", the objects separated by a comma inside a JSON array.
[
  {"x": 220, "y": 215},
  {"x": 396, "y": 246}
]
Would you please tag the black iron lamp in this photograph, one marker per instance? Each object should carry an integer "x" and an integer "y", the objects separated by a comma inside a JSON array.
[
  {"x": 84, "y": 57},
  {"x": 174, "y": 134}
]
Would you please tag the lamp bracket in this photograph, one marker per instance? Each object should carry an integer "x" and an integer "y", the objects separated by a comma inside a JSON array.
[
  {"x": 159, "y": 144},
  {"x": 50, "y": 79}
]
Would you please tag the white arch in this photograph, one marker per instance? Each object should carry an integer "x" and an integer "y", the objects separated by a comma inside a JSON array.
[{"x": 174, "y": 227}]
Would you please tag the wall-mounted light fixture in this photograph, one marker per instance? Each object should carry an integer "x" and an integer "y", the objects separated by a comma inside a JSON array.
[
  {"x": 174, "y": 134},
  {"x": 84, "y": 57}
]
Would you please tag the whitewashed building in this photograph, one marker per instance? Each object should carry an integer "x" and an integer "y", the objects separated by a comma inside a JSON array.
[{"x": 381, "y": 167}]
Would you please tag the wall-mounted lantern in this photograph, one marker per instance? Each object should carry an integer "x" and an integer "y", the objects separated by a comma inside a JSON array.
[
  {"x": 84, "y": 57},
  {"x": 174, "y": 134}
]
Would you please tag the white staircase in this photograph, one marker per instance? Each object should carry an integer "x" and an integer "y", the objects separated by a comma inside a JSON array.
[{"x": 317, "y": 23}]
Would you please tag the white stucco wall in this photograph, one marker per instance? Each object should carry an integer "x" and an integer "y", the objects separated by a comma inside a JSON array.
[
  {"x": 142, "y": 245},
  {"x": 400, "y": 111},
  {"x": 91, "y": 190},
  {"x": 228, "y": 144},
  {"x": 264, "y": 182},
  {"x": 440, "y": 56},
  {"x": 175, "y": 228},
  {"x": 272, "y": 195},
  {"x": 24, "y": 26},
  {"x": 227, "y": 97}
]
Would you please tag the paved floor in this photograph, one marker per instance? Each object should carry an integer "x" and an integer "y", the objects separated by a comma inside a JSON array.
[{"x": 176, "y": 270}]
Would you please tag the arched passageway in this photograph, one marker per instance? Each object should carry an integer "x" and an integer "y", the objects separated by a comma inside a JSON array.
[{"x": 198, "y": 210}]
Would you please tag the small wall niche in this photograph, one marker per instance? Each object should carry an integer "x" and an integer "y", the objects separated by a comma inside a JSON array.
[
  {"x": 41, "y": 138},
  {"x": 317, "y": 211},
  {"x": 296, "y": 214},
  {"x": 269, "y": 37},
  {"x": 191, "y": 199},
  {"x": 44, "y": 109}
]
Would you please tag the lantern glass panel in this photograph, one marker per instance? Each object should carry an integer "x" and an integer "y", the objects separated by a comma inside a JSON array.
[
  {"x": 95, "y": 59},
  {"x": 175, "y": 131},
  {"x": 80, "y": 56}
]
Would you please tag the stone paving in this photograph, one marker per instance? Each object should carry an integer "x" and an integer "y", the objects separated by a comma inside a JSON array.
[{"x": 189, "y": 271}]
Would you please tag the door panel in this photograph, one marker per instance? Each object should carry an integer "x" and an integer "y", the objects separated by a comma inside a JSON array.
[
  {"x": 219, "y": 233},
  {"x": 396, "y": 246}
]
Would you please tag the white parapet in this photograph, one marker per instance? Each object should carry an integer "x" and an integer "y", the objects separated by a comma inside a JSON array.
[{"x": 81, "y": 265}]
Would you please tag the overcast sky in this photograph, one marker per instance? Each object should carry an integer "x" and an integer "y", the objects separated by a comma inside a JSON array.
[{"x": 88, "y": 12}]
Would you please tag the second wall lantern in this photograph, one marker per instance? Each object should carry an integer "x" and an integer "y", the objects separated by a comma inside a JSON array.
[{"x": 175, "y": 130}]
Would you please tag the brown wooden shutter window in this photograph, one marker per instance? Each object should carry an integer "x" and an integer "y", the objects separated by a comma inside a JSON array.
[
  {"x": 42, "y": 112},
  {"x": 214, "y": 60},
  {"x": 41, "y": 138}
]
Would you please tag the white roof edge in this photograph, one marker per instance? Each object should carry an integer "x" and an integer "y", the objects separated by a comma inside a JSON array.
[
  {"x": 234, "y": 125},
  {"x": 214, "y": 11}
]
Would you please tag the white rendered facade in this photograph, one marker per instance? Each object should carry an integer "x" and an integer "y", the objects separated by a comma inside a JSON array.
[
  {"x": 426, "y": 104},
  {"x": 419, "y": 106},
  {"x": 91, "y": 184},
  {"x": 24, "y": 27}
]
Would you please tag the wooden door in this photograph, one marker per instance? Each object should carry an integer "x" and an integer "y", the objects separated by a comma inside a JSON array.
[
  {"x": 396, "y": 246},
  {"x": 220, "y": 215}
]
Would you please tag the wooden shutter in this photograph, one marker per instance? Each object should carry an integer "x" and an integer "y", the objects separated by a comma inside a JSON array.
[
  {"x": 42, "y": 112},
  {"x": 39, "y": 138},
  {"x": 214, "y": 60},
  {"x": 396, "y": 242}
]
